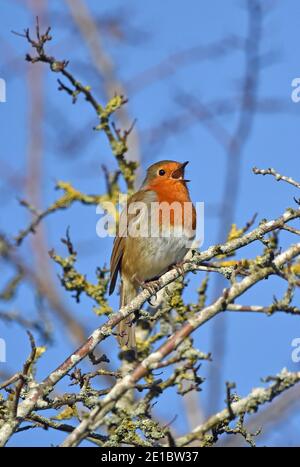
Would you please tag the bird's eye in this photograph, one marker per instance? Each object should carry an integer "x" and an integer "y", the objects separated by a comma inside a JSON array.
[{"x": 161, "y": 172}]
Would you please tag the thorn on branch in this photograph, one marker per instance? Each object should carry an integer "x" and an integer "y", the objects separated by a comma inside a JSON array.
[{"x": 67, "y": 241}]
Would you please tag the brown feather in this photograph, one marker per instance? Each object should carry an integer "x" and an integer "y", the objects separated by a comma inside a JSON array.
[{"x": 120, "y": 240}]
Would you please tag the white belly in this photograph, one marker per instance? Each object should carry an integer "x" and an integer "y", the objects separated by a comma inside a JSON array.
[{"x": 161, "y": 253}]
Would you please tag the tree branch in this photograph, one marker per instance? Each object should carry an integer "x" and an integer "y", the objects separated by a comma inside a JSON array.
[{"x": 97, "y": 415}]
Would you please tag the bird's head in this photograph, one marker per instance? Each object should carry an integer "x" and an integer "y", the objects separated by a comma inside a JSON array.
[{"x": 165, "y": 173}]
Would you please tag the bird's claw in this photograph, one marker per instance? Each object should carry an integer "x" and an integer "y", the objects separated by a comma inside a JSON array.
[
  {"x": 179, "y": 268},
  {"x": 152, "y": 287}
]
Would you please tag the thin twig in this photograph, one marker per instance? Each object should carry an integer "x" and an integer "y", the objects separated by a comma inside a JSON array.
[{"x": 277, "y": 175}]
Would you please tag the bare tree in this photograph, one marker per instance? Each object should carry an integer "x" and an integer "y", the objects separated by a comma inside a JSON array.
[{"x": 120, "y": 412}]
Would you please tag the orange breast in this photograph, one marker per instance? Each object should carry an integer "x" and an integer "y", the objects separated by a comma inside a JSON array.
[{"x": 171, "y": 191}]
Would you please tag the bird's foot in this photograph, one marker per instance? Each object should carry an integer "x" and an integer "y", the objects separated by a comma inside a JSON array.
[
  {"x": 179, "y": 267},
  {"x": 152, "y": 287}
]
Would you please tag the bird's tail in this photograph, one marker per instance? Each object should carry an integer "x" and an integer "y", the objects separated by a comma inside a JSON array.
[{"x": 126, "y": 327}]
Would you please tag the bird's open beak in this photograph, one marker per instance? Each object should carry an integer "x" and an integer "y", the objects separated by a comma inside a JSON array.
[
  {"x": 182, "y": 168},
  {"x": 178, "y": 174},
  {"x": 184, "y": 164}
]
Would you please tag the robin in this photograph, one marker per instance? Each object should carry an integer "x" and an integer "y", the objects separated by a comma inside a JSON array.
[{"x": 155, "y": 231}]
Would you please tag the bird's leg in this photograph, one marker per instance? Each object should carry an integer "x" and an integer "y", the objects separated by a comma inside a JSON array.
[
  {"x": 179, "y": 267},
  {"x": 152, "y": 287}
]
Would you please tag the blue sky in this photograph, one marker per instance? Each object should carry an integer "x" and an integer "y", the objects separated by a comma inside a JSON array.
[{"x": 257, "y": 345}]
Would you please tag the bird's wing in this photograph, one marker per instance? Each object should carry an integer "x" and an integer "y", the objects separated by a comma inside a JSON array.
[{"x": 145, "y": 196}]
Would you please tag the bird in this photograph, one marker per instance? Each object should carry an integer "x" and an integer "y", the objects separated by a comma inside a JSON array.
[{"x": 150, "y": 240}]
